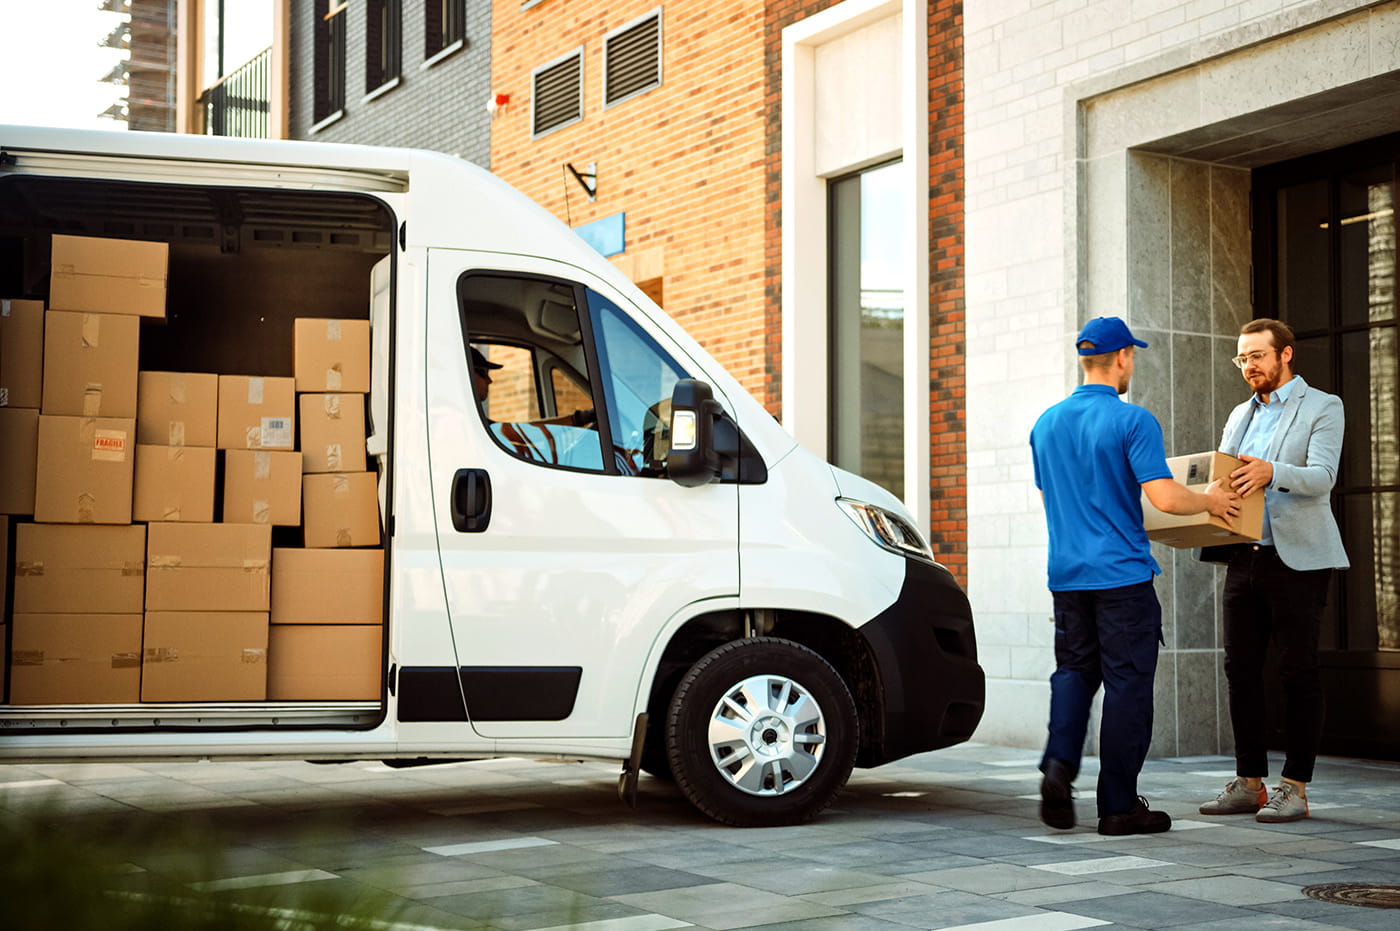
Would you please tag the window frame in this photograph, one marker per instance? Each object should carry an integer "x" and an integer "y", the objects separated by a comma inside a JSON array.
[
  {"x": 384, "y": 29},
  {"x": 660, "y": 57},
  {"x": 575, "y": 53},
  {"x": 438, "y": 43},
  {"x": 328, "y": 62}
]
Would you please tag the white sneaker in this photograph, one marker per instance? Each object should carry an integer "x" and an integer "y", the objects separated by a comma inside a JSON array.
[
  {"x": 1284, "y": 805},
  {"x": 1237, "y": 799}
]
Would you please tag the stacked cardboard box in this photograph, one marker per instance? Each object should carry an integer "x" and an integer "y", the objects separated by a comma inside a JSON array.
[
  {"x": 21, "y": 393},
  {"x": 176, "y": 428}
]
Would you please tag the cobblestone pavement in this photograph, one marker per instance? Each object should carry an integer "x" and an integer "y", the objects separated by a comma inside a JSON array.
[{"x": 943, "y": 840}]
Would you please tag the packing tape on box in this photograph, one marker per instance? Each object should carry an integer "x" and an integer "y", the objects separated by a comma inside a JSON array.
[
  {"x": 165, "y": 562},
  {"x": 92, "y": 399},
  {"x": 334, "y": 456},
  {"x": 170, "y": 512},
  {"x": 255, "y": 565},
  {"x": 335, "y": 380},
  {"x": 262, "y": 465},
  {"x": 29, "y": 567},
  {"x": 4, "y": 396},
  {"x": 4, "y": 307},
  {"x": 253, "y": 655},
  {"x": 91, "y": 331},
  {"x": 252, "y": 437},
  {"x": 177, "y": 434},
  {"x": 342, "y": 537},
  {"x": 162, "y": 655},
  {"x": 255, "y": 390},
  {"x": 331, "y": 404},
  {"x": 132, "y": 569},
  {"x": 340, "y": 483},
  {"x": 126, "y": 660},
  {"x": 175, "y": 453},
  {"x": 87, "y": 506},
  {"x": 262, "y": 512},
  {"x": 179, "y": 388},
  {"x": 332, "y": 329},
  {"x": 26, "y": 657}
]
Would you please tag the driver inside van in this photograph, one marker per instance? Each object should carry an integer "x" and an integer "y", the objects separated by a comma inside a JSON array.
[{"x": 540, "y": 440}]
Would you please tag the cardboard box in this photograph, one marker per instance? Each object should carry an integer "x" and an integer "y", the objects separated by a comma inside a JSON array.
[
  {"x": 108, "y": 276},
  {"x": 21, "y": 353},
  {"x": 177, "y": 409},
  {"x": 85, "y": 470},
  {"x": 334, "y": 586},
  {"x": 4, "y": 666},
  {"x": 204, "y": 656},
  {"x": 340, "y": 509},
  {"x": 75, "y": 659},
  {"x": 331, "y": 355},
  {"x": 174, "y": 483},
  {"x": 19, "y": 456},
  {"x": 1196, "y": 471},
  {"x": 325, "y": 662},
  {"x": 332, "y": 432},
  {"x": 207, "y": 567},
  {"x": 90, "y": 364},
  {"x": 262, "y": 486},
  {"x": 256, "y": 412},
  {"x": 6, "y": 573},
  {"x": 72, "y": 569}
]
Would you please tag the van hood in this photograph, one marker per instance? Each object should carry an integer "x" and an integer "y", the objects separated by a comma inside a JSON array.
[{"x": 850, "y": 485}]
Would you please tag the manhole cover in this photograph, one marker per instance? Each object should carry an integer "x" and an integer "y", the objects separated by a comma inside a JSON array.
[{"x": 1366, "y": 895}]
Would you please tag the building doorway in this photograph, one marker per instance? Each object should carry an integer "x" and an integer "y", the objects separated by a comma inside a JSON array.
[{"x": 1325, "y": 262}]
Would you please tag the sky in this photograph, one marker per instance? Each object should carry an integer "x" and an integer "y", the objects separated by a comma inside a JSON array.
[{"x": 52, "y": 63}]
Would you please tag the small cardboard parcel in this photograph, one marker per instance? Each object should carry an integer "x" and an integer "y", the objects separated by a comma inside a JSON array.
[{"x": 1196, "y": 471}]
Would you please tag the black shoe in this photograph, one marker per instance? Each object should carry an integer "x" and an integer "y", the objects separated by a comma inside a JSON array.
[
  {"x": 1139, "y": 820},
  {"x": 1056, "y": 803}
]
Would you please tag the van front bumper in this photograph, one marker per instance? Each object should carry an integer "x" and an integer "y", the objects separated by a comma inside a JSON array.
[{"x": 924, "y": 650}]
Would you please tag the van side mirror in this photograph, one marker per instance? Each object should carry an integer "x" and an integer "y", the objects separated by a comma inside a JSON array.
[{"x": 693, "y": 459}]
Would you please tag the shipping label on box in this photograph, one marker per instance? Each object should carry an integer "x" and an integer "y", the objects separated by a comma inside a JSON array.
[
  {"x": 262, "y": 486},
  {"x": 174, "y": 483},
  {"x": 340, "y": 509},
  {"x": 331, "y": 355},
  {"x": 177, "y": 409},
  {"x": 208, "y": 567},
  {"x": 19, "y": 456},
  {"x": 257, "y": 412},
  {"x": 85, "y": 470},
  {"x": 204, "y": 656},
  {"x": 333, "y": 432},
  {"x": 1196, "y": 471},
  {"x": 21, "y": 353},
  {"x": 75, "y": 659},
  {"x": 325, "y": 662},
  {"x": 108, "y": 276},
  {"x": 327, "y": 586},
  {"x": 90, "y": 364},
  {"x": 72, "y": 569}
]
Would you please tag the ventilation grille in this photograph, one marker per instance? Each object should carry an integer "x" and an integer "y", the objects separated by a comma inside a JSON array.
[
  {"x": 558, "y": 94},
  {"x": 632, "y": 60}
]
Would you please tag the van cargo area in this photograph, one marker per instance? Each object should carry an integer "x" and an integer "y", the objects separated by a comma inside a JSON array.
[{"x": 229, "y": 272}]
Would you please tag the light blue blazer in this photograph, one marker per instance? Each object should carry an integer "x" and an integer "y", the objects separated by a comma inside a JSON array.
[{"x": 1304, "y": 451}]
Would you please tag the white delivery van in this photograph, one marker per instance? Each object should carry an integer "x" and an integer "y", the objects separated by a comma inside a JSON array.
[{"x": 597, "y": 544}]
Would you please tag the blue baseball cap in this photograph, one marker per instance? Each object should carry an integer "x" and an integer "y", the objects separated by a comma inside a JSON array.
[{"x": 1106, "y": 334}]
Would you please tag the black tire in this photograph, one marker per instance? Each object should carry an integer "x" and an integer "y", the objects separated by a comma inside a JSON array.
[{"x": 804, "y": 733}]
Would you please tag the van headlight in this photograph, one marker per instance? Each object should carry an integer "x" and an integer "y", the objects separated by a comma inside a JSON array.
[{"x": 886, "y": 528}]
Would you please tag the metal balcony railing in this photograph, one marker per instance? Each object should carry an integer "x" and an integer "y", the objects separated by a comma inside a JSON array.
[{"x": 239, "y": 104}]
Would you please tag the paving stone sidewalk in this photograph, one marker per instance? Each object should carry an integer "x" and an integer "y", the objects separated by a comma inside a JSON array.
[{"x": 943, "y": 840}]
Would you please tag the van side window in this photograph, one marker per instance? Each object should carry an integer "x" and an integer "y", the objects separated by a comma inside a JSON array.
[
  {"x": 638, "y": 378},
  {"x": 525, "y": 347}
]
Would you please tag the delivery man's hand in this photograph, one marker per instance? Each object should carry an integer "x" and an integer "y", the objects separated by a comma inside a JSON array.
[
  {"x": 1255, "y": 474},
  {"x": 1223, "y": 503}
]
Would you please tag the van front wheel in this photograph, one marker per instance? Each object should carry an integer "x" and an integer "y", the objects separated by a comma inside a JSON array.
[{"x": 761, "y": 732}]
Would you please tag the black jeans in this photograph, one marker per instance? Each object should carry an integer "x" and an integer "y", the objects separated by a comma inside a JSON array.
[{"x": 1264, "y": 600}]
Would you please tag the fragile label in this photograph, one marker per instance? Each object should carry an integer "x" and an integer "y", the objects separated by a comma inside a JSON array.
[
  {"x": 277, "y": 431},
  {"x": 109, "y": 445}
]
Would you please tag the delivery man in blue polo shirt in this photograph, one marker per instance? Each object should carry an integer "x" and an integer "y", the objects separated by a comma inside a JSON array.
[{"x": 1095, "y": 455}]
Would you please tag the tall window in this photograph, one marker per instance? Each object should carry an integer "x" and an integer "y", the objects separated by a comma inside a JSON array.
[
  {"x": 445, "y": 24},
  {"x": 866, "y": 320},
  {"x": 329, "y": 58},
  {"x": 383, "y": 20}
]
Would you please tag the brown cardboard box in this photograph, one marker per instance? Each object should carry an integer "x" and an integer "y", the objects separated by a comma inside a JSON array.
[
  {"x": 257, "y": 412},
  {"x": 6, "y": 573},
  {"x": 204, "y": 656},
  {"x": 4, "y": 665},
  {"x": 335, "y": 586},
  {"x": 1196, "y": 471},
  {"x": 90, "y": 364},
  {"x": 340, "y": 509},
  {"x": 262, "y": 486},
  {"x": 21, "y": 353},
  {"x": 174, "y": 483},
  {"x": 177, "y": 409},
  {"x": 72, "y": 569},
  {"x": 85, "y": 470},
  {"x": 75, "y": 659},
  {"x": 332, "y": 432},
  {"x": 332, "y": 355},
  {"x": 19, "y": 455},
  {"x": 207, "y": 567},
  {"x": 324, "y": 662},
  {"x": 108, "y": 276}
]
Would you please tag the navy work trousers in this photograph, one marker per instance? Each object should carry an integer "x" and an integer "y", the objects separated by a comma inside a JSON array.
[{"x": 1107, "y": 637}]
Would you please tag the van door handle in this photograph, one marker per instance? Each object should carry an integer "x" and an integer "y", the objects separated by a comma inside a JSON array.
[{"x": 471, "y": 500}]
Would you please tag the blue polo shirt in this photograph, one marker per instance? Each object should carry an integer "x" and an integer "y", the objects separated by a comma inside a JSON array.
[{"x": 1092, "y": 453}]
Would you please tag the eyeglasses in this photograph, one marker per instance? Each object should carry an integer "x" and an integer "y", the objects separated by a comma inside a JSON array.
[{"x": 1244, "y": 359}]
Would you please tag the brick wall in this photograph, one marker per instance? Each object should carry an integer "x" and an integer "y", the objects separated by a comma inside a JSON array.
[
  {"x": 441, "y": 107},
  {"x": 684, "y": 161}
]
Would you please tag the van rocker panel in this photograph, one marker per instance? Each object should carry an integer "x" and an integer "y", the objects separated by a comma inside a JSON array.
[
  {"x": 493, "y": 693},
  {"x": 925, "y": 652}
]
